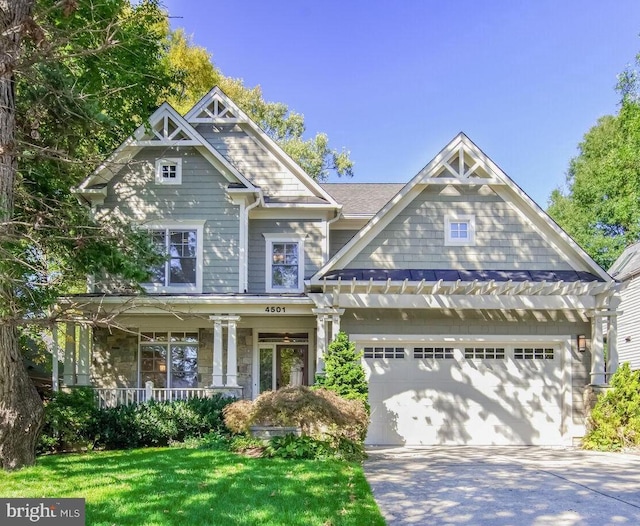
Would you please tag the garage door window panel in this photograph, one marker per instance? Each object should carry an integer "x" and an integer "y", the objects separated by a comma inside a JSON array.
[
  {"x": 384, "y": 352},
  {"x": 433, "y": 353}
]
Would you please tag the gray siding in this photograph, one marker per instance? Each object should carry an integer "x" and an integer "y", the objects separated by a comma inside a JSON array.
[
  {"x": 503, "y": 241},
  {"x": 338, "y": 239},
  {"x": 253, "y": 161},
  {"x": 313, "y": 243},
  {"x": 133, "y": 194},
  {"x": 432, "y": 322},
  {"x": 628, "y": 326}
]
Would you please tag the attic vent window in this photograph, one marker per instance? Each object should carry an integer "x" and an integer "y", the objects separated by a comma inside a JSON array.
[
  {"x": 169, "y": 171},
  {"x": 460, "y": 230}
]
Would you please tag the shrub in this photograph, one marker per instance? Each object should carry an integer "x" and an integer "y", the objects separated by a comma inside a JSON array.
[
  {"x": 306, "y": 447},
  {"x": 159, "y": 423},
  {"x": 238, "y": 416},
  {"x": 318, "y": 413},
  {"x": 343, "y": 371},
  {"x": 614, "y": 422},
  {"x": 70, "y": 421}
]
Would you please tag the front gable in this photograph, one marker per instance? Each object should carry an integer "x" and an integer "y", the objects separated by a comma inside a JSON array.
[
  {"x": 461, "y": 185},
  {"x": 245, "y": 145}
]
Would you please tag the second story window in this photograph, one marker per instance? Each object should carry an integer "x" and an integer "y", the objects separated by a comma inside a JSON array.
[
  {"x": 285, "y": 264},
  {"x": 182, "y": 270},
  {"x": 169, "y": 171},
  {"x": 459, "y": 230}
]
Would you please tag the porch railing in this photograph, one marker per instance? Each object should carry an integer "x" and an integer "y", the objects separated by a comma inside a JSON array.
[{"x": 112, "y": 397}]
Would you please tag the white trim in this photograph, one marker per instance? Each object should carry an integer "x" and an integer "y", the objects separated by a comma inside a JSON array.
[
  {"x": 198, "y": 226},
  {"x": 169, "y": 161},
  {"x": 454, "y": 218},
  {"x": 270, "y": 239}
]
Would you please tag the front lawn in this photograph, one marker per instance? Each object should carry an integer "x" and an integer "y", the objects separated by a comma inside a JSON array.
[{"x": 178, "y": 486}]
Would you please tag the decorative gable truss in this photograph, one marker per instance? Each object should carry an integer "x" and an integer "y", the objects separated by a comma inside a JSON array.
[
  {"x": 166, "y": 128},
  {"x": 459, "y": 165},
  {"x": 213, "y": 110}
]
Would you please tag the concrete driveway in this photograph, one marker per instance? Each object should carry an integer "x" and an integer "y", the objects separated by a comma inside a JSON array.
[{"x": 502, "y": 486}]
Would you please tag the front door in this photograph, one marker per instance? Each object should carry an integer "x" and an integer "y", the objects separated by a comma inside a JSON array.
[{"x": 281, "y": 365}]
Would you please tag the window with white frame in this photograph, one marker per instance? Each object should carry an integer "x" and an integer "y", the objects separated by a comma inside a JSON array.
[
  {"x": 284, "y": 263},
  {"x": 182, "y": 270},
  {"x": 460, "y": 230},
  {"x": 169, "y": 359},
  {"x": 169, "y": 171}
]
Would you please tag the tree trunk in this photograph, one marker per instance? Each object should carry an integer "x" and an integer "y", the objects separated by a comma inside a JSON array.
[{"x": 21, "y": 411}]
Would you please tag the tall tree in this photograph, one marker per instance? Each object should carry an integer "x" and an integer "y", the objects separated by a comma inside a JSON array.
[
  {"x": 600, "y": 207},
  {"x": 286, "y": 127},
  {"x": 76, "y": 76}
]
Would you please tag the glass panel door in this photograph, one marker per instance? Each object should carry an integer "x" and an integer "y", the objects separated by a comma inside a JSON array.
[
  {"x": 266, "y": 367},
  {"x": 291, "y": 365}
]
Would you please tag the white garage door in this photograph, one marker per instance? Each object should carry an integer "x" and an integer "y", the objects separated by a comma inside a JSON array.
[{"x": 466, "y": 393}]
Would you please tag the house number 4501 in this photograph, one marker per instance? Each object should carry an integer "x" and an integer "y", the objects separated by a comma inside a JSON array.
[{"x": 275, "y": 309}]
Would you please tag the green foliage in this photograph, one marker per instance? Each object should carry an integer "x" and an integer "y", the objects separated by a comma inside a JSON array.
[
  {"x": 183, "y": 486},
  {"x": 344, "y": 373},
  {"x": 198, "y": 74},
  {"x": 306, "y": 447},
  {"x": 94, "y": 75},
  {"x": 600, "y": 208},
  {"x": 73, "y": 419},
  {"x": 318, "y": 413},
  {"x": 614, "y": 423}
]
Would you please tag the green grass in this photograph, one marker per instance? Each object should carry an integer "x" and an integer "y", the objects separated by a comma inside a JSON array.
[{"x": 179, "y": 486}]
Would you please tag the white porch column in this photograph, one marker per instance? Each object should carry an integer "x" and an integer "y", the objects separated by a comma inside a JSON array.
[
  {"x": 70, "y": 355},
  {"x": 84, "y": 356},
  {"x": 597, "y": 350},
  {"x": 321, "y": 341},
  {"x": 612, "y": 346},
  {"x": 232, "y": 355},
  {"x": 335, "y": 323},
  {"x": 335, "y": 326},
  {"x": 217, "y": 352},
  {"x": 55, "y": 357}
]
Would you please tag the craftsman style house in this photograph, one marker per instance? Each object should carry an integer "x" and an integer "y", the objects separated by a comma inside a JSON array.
[{"x": 479, "y": 319}]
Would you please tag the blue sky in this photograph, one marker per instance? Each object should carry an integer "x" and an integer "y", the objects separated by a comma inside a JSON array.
[{"x": 393, "y": 82}]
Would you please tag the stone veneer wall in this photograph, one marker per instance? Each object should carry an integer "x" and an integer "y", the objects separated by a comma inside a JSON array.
[
  {"x": 115, "y": 358},
  {"x": 244, "y": 346}
]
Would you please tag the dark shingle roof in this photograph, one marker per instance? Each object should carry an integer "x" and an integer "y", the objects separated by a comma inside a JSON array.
[
  {"x": 463, "y": 275},
  {"x": 628, "y": 263},
  {"x": 362, "y": 198}
]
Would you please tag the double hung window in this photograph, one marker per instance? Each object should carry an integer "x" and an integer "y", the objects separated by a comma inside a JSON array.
[
  {"x": 284, "y": 264},
  {"x": 182, "y": 269}
]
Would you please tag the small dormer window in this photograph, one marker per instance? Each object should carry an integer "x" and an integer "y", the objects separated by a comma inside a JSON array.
[
  {"x": 169, "y": 171},
  {"x": 460, "y": 230}
]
